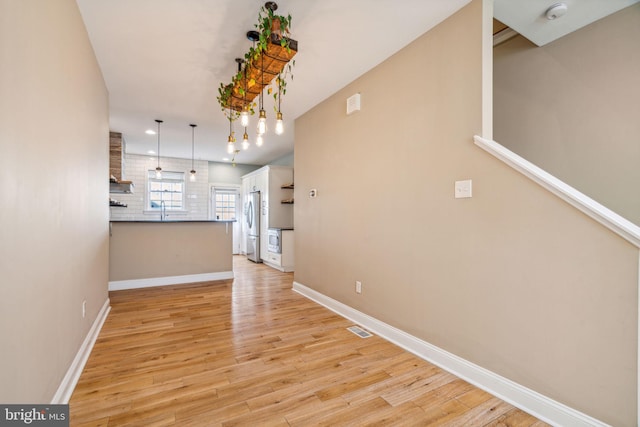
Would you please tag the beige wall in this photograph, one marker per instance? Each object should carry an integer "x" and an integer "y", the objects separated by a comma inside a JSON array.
[
  {"x": 54, "y": 140},
  {"x": 513, "y": 279},
  {"x": 572, "y": 107},
  {"x": 145, "y": 250}
]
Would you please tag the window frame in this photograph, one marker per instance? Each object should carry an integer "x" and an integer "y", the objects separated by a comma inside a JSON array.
[
  {"x": 230, "y": 192},
  {"x": 172, "y": 177}
]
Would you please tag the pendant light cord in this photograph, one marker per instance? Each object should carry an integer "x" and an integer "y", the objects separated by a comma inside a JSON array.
[
  {"x": 158, "y": 121},
  {"x": 262, "y": 82},
  {"x": 193, "y": 128},
  {"x": 279, "y": 92}
]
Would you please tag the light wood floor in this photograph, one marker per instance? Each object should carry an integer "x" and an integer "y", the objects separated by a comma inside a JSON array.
[{"x": 253, "y": 352}]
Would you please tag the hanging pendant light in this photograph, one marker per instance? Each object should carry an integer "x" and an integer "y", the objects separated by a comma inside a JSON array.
[
  {"x": 245, "y": 140},
  {"x": 262, "y": 123},
  {"x": 244, "y": 114},
  {"x": 232, "y": 139},
  {"x": 262, "y": 119},
  {"x": 231, "y": 144},
  {"x": 279, "y": 64},
  {"x": 279, "y": 123},
  {"x": 192, "y": 176},
  {"x": 158, "y": 168},
  {"x": 244, "y": 117}
]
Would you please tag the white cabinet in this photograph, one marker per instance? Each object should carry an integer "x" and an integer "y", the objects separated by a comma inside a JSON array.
[
  {"x": 262, "y": 180},
  {"x": 284, "y": 261},
  {"x": 269, "y": 180}
]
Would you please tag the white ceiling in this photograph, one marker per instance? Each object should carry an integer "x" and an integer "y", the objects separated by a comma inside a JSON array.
[
  {"x": 528, "y": 17},
  {"x": 164, "y": 59}
]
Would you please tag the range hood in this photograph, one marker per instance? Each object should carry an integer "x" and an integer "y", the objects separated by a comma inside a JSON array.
[
  {"x": 116, "y": 165},
  {"x": 116, "y": 186}
]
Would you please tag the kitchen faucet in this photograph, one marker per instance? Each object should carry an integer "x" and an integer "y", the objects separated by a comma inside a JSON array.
[{"x": 163, "y": 210}]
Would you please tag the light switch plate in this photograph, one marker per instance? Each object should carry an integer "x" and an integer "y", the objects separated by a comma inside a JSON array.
[{"x": 463, "y": 189}]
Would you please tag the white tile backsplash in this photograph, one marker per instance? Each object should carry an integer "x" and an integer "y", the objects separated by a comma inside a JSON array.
[{"x": 136, "y": 169}]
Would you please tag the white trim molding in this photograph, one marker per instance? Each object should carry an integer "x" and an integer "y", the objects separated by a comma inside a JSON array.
[
  {"x": 619, "y": 225},
  {"x": 119, "y": 285},
  {"x": 68, "y": 384},
  {"x": 542, "y": 407}
]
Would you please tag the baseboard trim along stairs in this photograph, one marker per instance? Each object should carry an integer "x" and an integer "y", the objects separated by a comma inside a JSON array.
[
  {"x": 68, "y": 384},
  {"x": 542, "y": 407},
  {"x": 119, "y": 285}
]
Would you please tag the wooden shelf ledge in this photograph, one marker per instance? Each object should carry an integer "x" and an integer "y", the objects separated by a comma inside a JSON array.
[{"x": 276, "y": 57}]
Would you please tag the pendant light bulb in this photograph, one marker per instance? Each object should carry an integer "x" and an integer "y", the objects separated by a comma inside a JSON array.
[
  {"x": 231, "y": 148},
  {"x": 245, "y": 141},
  {"x": 262, "y": 123},
  {"x": 158, "y": 172},
  {"x": 192, "y": 176},
  {"x": 279, "y": 124},
  {"x": 259, "y": 141},
  {"x": 244, "y": 117}
]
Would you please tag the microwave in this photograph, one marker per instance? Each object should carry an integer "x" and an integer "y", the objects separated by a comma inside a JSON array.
[{"x": 274, "y": 240}]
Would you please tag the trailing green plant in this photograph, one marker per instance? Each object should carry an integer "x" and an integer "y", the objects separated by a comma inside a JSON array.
[
  {"x": 271, "y": 28},
  {"x": 281, "y": 84},
  {"x": 224, "y": 98}
]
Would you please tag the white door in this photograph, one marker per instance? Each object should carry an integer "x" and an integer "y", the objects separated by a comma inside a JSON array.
[{"x": 226, "y": 205}]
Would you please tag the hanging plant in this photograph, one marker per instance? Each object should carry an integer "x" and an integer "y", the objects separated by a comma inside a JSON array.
[
  {"x": 281, "y": 85},
  {"x": 272, "y": 29},
  {"x": 224, "y": 96}
]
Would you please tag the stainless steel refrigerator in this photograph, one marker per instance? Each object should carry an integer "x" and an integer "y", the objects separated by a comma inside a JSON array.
[{"x": 252, "y": 216}]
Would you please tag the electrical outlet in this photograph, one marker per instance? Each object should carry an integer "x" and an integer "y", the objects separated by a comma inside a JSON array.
[
  {"x": 84, "y": 308},
  {"x": 358, "y": 287}
]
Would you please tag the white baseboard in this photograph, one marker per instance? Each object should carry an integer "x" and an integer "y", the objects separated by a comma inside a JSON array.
[
  {"x": 120, "y": 285},
  {"x": 542, "y": 407},
  {"x": 283, "y": 268},
  {"x": 68, "y": 384}
]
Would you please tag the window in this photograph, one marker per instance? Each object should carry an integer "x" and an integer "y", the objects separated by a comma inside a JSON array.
[
  {"x": 224, "y": 204},
  {"x": 168, "y": 189}
]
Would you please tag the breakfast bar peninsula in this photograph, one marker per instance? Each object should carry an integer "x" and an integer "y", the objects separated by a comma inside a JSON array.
[{"x": 158, "y": 253}]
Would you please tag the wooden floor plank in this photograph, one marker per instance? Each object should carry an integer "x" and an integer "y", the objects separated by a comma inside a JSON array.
[{"x": 253, "y": 352}]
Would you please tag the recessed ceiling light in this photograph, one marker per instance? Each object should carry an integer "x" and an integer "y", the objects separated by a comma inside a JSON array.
[
  {"x": 150, "y": 132},
  {"x": 225, "y": 159},
  {"x": 151, "y": 152}
]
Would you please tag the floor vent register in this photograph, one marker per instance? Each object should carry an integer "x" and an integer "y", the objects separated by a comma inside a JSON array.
[{"x": 359, "y": 332}]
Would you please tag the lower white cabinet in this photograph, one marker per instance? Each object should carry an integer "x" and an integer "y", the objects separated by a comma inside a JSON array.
[{"x": 285, "y": 260}]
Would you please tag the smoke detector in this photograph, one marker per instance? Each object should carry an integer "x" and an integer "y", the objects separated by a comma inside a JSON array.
[{"x": 556, "y": 11}]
